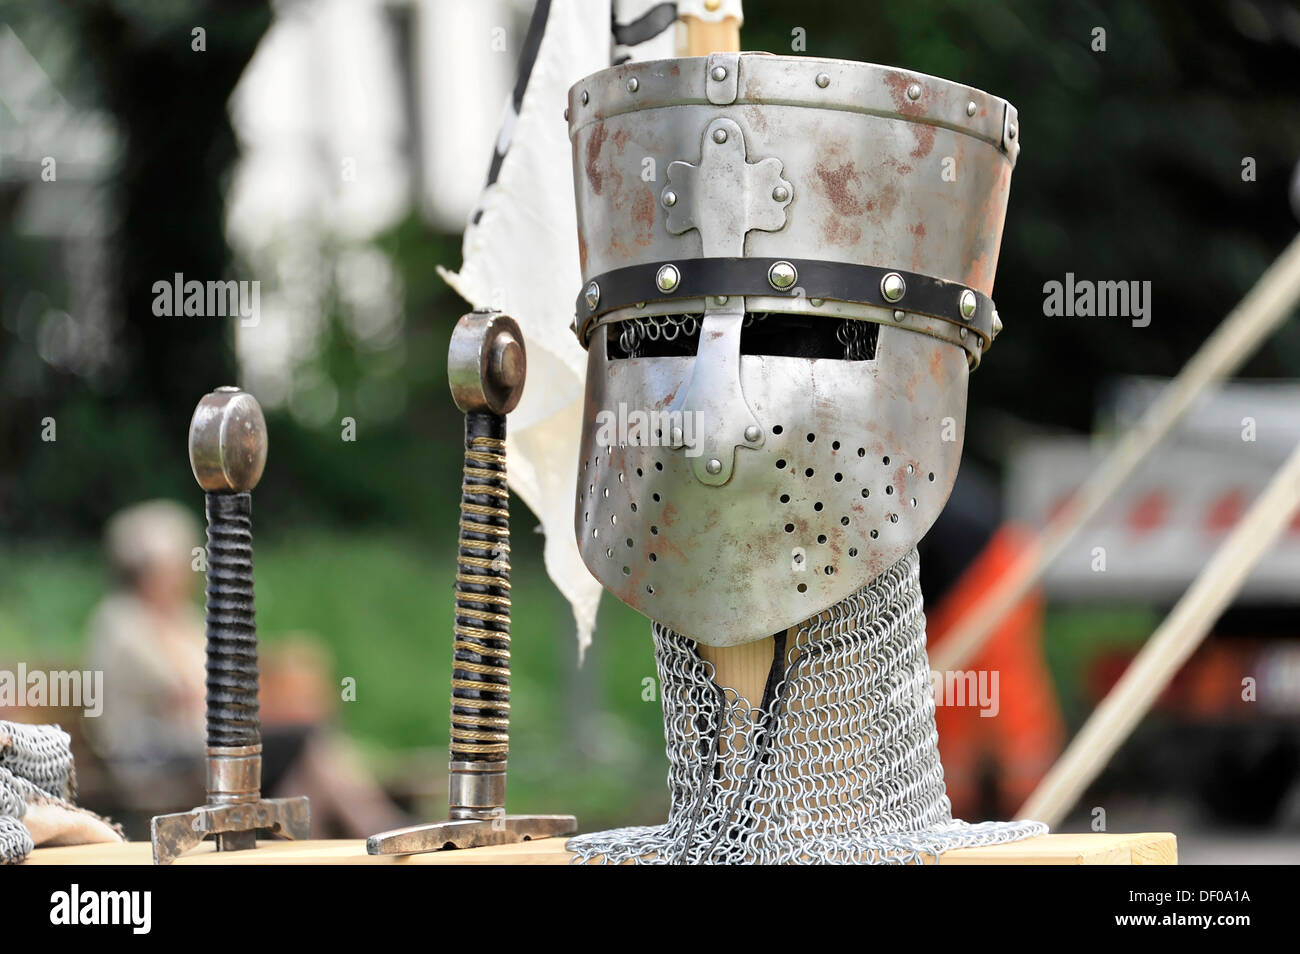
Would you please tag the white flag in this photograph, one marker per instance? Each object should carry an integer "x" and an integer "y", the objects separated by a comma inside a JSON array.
[{"x": 520, "y": 255}]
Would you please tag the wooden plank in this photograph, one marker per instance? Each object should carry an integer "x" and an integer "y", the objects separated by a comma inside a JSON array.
[{"x": 1078, "y": 849}]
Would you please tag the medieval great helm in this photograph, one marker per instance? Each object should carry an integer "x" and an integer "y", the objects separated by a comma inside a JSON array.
[{"x": 787, "y": 264}]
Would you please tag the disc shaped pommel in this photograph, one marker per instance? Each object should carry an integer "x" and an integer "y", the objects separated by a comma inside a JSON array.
[
  {"x": 486, "y": 363},
  {"x": 228, "y": 442}
]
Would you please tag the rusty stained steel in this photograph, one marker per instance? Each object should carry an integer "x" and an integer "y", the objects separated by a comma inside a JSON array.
[{"x": 733, "y": 539}]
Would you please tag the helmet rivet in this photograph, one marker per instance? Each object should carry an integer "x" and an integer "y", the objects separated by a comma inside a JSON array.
[
  {"x": 719, "y": 74},
  {"x": 823, "y": 80},
  {"x": 632, "y": 84},
  {"x": 899, "y": 315},
  {"x": 962, "y": 332},
  {"x": 815, "y": 302},
  {"x": 1011, "y": 131},
  {"x": 675, "y": 436},
  {"x": 970, "y": 108},
  {"x": 566, "y": 114},
  {"x": 714, "y": 466},
  {"x": 668, "y": 278},
  {"x": 997, "y": 323},
  {"x": 720, "y": 299},
  {"x": 719, "y": 136},
  {"x": 752, "y": 433},
  {"x": 781, "y": 275},
  {"x": 780, "y": 193},
  {"x": 892, "y": 286},
  {"x": 967, "y": 303},
  {"x": 592, "y": 295},
  {"x": 669, "y": 199},
  {"x": 914, "y": 91},
  {"x": 585, "y": 97}
]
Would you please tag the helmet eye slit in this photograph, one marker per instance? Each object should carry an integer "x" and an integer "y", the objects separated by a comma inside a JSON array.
[{"x": 764, "y": 334}]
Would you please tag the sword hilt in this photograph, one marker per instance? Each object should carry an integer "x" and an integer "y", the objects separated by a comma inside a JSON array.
[
  {"x": 227, "y": 454},
  {"x": 486, "y": 368}
]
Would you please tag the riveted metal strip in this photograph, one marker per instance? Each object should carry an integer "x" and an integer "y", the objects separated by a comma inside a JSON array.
[{"x": 645, "y": 286}]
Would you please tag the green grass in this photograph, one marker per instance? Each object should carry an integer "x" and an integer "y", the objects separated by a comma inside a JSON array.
[{"x": 582, "y": 740}]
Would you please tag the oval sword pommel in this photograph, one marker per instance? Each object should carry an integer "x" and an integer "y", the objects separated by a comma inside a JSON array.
[
  {"x": 228, "y": 442},
  {"x": 486, "y": 363}
]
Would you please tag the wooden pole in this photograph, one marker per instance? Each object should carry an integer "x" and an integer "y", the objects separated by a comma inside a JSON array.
[
  {"x": 1167, "y": 650},
  {"x": 1265, "y": 307},
  {"x": 745, "y": 667}
]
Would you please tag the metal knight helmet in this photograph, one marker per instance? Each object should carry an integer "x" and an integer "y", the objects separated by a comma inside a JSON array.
[{"x": 787, "y": 264}]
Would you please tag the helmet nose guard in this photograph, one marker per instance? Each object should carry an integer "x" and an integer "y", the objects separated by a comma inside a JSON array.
[{"x": 785, "y": 283}]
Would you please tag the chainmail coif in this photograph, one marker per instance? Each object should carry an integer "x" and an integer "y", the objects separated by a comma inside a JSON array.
[
  {"x": 35, "y": 764},
  {"x": 840, "y": 766}
]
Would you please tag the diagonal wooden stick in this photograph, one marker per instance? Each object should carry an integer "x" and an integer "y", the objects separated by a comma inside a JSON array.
[
  {"x": 1263, "y": 309},
  {"x": 1167, "y": 650}
]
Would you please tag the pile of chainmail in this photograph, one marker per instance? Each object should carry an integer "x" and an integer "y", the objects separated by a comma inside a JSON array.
[
  {"x": 839, "y": 766},
  {"x": 35, "y": 766}
]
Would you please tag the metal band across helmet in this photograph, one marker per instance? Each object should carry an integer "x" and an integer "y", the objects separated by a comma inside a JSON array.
[{"x": 786, "y": 270}]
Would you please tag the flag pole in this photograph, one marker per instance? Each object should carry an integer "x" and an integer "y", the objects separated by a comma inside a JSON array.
[
  {"x": 1166, "y": 651},
  {"x": 1256, "y": 317}
]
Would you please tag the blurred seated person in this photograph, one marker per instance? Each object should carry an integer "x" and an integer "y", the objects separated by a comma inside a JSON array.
[{"x": 147, "y": 637}]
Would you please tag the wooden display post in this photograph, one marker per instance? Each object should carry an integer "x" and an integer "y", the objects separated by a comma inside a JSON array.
[{"x": 1091, "y": 849}]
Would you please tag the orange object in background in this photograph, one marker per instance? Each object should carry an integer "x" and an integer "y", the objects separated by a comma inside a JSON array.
[{"x": 992, "y": 762}]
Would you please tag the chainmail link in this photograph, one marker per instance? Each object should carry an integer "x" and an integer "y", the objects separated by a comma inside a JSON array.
[
  {"x": 35, "y": 764},
  {"x": 841, "y": 766}
]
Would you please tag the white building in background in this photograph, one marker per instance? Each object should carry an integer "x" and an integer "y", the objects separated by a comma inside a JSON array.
[{"x": 350, "y": 113}]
